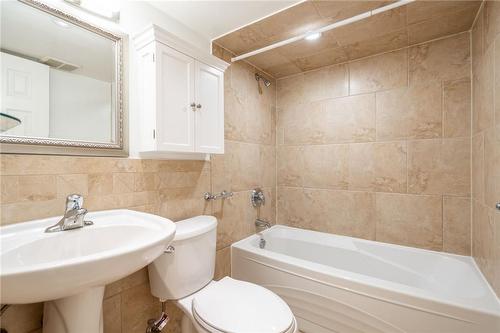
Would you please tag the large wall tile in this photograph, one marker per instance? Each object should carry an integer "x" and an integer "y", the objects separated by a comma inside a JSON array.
[
  {"x": 138, "y": 304},
  {"x": 290, "y": 162},
  {"x": 483, "y": 238},
  {"x": 340, "y": 212},
  {"x": 133, "y": 280},
  {"x": 477, "y": 42},
  {"x": 223, "y": 263},
  {"x": 378, "y": 167},
  {"x": 74, "y": 183},
  {"x": 9, "y": 189},
  {"x": 329, "y": 82},
  {"x": 37, "y": 188},
  {"x": 100, "y": 183},
  {"x": 412, "y": 220},
  {"x": 410, "y": 112},
  {"x": 497, "y": 81},
  {"x": 345, "y": 119},
  {"x": 372, "y": 28},
  {"x": 386, "y": 71},
  {"x": 442, "y": 60},
  {"x": 30, "y": 210},
  {"x": 448, "y": 22},
  {"x": 146, "y": 181},
  {"x": 305, "y": 123},
  {"x": 242, "y": 167},
  {"x": 456, "y": 225},
  {"x": 457, "y": 108},
  {"x": 483, "y": 92},
  {"x": 324, "y": 166},
  {"x": 350, "y": 119},
  {"x": 492, "y": 166},
  {"x": 491, "y": 22},
  {"x": 378, "y": 43},
  {"x": 477, "y": 165},
  {"x": 111, "y": 308},
  {"x": 439, "y": 166},
  {"x": 496, "y": 281},
  {"x": 290, "y": 91}
]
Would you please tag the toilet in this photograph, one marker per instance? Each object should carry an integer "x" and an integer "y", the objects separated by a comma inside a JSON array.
[{"x": 184, "y": 274}]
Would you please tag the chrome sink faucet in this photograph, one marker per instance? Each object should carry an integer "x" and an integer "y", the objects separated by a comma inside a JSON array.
[{"x": 74, "y": 216}]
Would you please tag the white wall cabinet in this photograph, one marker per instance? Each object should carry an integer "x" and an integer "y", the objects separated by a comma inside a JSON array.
[{"x": 182, "y": 96}]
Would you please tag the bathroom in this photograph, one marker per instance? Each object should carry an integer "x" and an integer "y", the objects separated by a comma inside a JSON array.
[{"x": 370, "y": 129}]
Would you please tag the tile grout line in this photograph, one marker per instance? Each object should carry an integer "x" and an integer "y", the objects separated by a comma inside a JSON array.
[{"x": 471, "y": 236}]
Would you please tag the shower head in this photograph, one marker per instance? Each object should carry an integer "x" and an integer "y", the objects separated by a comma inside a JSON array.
[{"x": 258, "y": 77}]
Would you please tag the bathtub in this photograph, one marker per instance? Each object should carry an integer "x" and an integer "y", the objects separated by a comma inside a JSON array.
[{"x": 342, "y": 284}]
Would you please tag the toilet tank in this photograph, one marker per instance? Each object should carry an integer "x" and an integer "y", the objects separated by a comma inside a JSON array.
[{"x": 191, "y": 265}]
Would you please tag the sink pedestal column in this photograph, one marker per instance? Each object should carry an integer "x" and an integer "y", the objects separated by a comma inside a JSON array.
[{"x": 81, "y": 313}]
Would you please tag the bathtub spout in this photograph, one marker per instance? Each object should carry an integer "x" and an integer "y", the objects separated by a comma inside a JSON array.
[{"x": 262, "y": 224}]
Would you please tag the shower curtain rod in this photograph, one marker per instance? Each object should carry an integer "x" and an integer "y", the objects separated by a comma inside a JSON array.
[{"x": 325, "y": 28}]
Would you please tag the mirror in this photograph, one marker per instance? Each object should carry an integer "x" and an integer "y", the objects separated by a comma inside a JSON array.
[{"x": 61, "y": 80}]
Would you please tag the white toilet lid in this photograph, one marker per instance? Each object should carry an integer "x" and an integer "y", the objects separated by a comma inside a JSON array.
[{"x": 234, "y": 306}]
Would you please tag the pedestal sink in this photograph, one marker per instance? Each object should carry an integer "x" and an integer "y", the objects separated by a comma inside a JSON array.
[{"x": 69, "y": 269}]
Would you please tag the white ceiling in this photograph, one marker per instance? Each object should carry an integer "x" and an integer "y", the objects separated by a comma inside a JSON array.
[{"x": 213, "y": 18}]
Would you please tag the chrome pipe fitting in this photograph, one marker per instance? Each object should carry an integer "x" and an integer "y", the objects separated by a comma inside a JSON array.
[{"x": 222, "y": 195}]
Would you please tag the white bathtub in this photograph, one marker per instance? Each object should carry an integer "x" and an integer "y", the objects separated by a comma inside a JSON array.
[{"x": 342, "y": 284}]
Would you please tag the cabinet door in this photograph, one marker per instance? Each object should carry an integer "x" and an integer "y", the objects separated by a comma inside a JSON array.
[
  {"x": 175, "y": 94},
  {"x": 209, "y": 118}
]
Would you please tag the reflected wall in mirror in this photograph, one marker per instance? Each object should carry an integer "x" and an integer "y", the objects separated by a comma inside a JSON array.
[{"x": 61, "y": 79}]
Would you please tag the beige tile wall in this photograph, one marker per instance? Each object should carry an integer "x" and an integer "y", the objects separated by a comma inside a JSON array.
[
  {"x": 379, "y": 148},
  {"x": 486, "y": 142},
  {"x": 36, "y": 186}
]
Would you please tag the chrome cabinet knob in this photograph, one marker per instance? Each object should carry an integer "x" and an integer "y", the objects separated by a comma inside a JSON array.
[{"x": 497, "y": 205}]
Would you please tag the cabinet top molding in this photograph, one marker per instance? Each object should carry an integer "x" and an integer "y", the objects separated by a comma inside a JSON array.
[{"x": 153, "y": 33}]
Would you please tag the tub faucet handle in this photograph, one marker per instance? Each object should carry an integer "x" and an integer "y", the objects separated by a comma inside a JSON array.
[{"x": 258, "y": 198}]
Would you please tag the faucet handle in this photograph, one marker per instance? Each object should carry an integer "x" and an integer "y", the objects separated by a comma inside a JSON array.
[
  {"x": 74, "y": 202},
  {"x": 257, "y": 198}
]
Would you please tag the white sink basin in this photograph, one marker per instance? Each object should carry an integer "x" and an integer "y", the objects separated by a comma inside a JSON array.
[{"x": 38, "y": 266}]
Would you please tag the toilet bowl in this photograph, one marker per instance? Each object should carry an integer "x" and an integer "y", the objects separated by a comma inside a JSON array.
[
  {"x": 231, "y": 305},
  {"x": 184, "y": 275}
]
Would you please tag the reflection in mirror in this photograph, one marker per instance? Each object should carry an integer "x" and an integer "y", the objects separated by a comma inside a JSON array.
[{"x": 59, "y": 78}]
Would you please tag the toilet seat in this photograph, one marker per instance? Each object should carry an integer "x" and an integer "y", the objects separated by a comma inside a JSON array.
[{"x": 233, "y": 306}]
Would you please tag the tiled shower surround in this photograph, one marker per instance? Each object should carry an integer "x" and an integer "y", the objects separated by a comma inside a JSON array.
[{"x": 380, "y": 148}]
